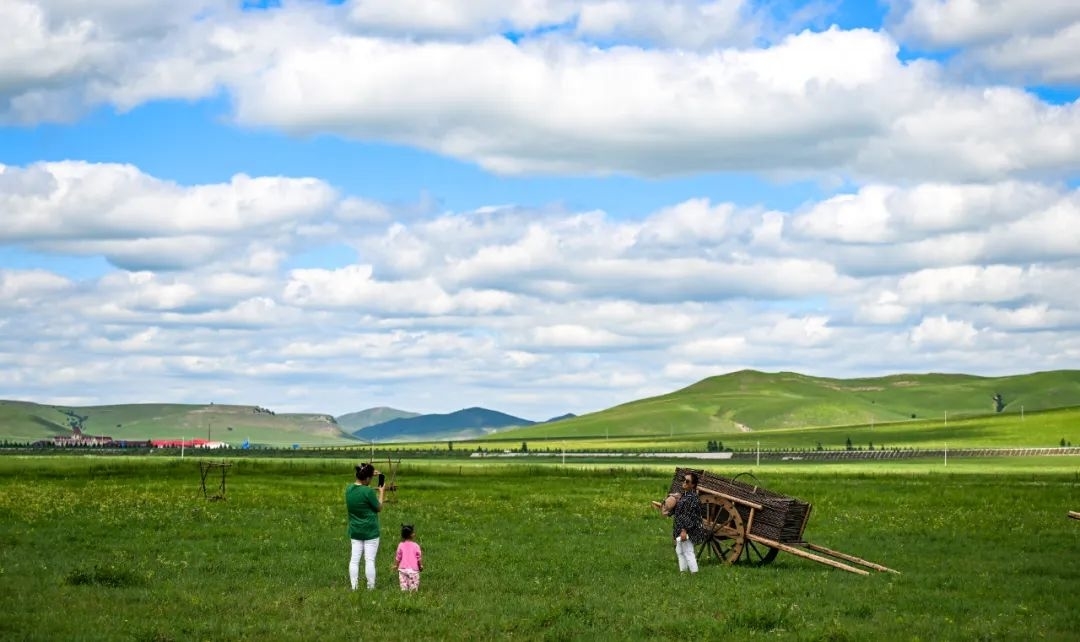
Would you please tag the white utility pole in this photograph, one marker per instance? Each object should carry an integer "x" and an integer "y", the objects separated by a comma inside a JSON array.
[{"x": 758, "y": 454}]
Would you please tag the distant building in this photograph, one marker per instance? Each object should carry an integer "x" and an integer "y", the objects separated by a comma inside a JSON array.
[
  {"x": 187, "y": 443},
  {"x": 78, "y": 438}
]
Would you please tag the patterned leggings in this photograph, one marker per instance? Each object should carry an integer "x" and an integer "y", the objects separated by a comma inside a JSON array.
[{"x": 409, "y": 579}]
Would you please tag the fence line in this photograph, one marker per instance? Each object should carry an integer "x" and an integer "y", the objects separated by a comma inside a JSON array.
[{"x": 903, "y": 453}]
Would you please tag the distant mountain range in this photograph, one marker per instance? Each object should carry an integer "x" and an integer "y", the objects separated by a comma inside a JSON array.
[
  {"x": 463, "y": 424},
  {"x": 354, "y": 421},
  {"x": 728, "y": 404},
  {"x": 25, "y": 421}
]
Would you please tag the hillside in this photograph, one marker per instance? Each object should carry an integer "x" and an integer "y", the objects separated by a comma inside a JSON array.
[
  {"x": 354, "y": 421},
  {"x": 731, "y": 407},
  {"x": 749, "y": 400},
  {"x": 463, "y": 424},
  {"x": 27, "y": 421}
]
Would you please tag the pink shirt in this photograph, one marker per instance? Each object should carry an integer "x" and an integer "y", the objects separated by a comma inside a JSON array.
[{"x": 408, "y": 556}]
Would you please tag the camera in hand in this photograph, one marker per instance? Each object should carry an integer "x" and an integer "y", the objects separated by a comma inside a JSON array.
[{"x": 382, "y": 480}]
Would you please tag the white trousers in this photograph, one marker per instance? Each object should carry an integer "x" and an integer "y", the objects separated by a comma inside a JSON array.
[
  {"x": 367, "y": 549},
  {"x": 687, "y": 559}
]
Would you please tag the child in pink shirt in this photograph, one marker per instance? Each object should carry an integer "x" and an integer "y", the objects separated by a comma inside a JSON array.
[{"x": 408, "y": 560}]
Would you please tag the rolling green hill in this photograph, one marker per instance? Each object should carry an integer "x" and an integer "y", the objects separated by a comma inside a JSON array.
[
  {"x": 1041, "y": 429},
  {"x": 354, "y": 421},
  {"x": 27, "y": 421},
  {"x": 739, "y": 408},
  {"x": 752, "y": 401}
]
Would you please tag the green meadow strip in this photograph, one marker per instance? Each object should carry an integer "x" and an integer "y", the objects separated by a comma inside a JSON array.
[{"x": 127, "y": 548}]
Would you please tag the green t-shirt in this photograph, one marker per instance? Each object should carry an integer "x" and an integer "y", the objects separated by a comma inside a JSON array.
[{"x": 363, "y": 505}]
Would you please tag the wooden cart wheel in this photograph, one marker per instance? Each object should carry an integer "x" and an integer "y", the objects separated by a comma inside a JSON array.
[
  {"x": 724, "y": 528},
  {"x": 758, "y": 554}
]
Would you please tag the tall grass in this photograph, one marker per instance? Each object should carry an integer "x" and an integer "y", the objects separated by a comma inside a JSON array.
[{"x": 111, "y": 549}]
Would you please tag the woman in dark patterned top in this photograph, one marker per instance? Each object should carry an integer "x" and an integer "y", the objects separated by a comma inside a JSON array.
[{"x": 686, "y": 525}]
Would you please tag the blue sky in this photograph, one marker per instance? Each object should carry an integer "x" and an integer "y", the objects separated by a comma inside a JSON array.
[{"x": 539, "y": 208}]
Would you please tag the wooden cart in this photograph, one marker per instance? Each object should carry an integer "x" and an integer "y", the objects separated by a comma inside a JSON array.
[
  {"x": 749, "y": 524},
  {"x": 391, "y": 477}
]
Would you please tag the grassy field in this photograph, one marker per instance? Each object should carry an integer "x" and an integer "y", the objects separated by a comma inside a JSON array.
[
  {"x": 725, "y": 405},
  {"x": 96, "y": 548}
]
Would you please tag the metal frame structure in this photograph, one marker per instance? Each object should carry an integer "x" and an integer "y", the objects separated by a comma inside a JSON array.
[{"x": 205, "y": 468}]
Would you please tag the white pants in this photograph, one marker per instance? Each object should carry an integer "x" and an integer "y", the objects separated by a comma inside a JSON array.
[
  {"x": 366, "y": 548},
  {"x": 685, "y": 552}
]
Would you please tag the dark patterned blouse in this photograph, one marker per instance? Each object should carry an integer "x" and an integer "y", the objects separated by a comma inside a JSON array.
[{"x": 687, "y": 515}]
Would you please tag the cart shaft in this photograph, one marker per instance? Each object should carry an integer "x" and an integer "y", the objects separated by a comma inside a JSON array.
[
  {"x": 850, "y": 558},
  {"x": 827, "y": 554}
]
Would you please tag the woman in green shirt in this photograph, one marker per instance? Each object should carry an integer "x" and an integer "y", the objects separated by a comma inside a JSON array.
[{"x": 363, "y": 507}]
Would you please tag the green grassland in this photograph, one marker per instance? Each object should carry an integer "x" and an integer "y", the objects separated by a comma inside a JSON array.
[
  {"x": 96, "y": 548},
  {"x": 25, "y": 421},
  {"x": 730, "y": 404}
]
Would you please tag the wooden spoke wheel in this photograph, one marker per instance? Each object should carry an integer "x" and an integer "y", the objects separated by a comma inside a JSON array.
[
  {"x": 726, "y": 538},
  {"x": 725, "y": 532},
  {"x": 758, "y": 554}
]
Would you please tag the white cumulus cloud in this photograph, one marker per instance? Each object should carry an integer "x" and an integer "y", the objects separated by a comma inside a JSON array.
[{"x": 1014, "y": 37}]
